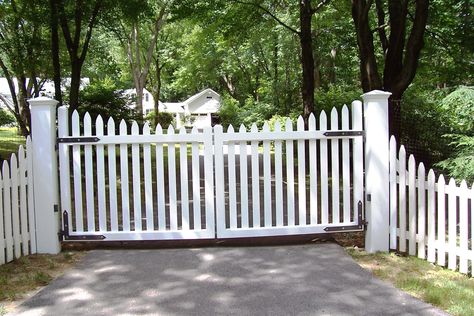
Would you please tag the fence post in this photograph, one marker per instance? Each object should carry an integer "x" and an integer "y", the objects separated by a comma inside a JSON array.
[
  {"x": 377, "y": 170},
  {"x": 45, "y": 174}
]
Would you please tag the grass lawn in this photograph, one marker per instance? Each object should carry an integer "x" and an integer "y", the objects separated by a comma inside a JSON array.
[
  {"x": 448, "y": 290},
  {"x": 20, "y": 278},
  {"x": 10, "y": 141}
]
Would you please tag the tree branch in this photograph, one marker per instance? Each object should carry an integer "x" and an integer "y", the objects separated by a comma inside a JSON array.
[
  {"x": 319, "y": 6},
  {"x": 90, "y": 26}
]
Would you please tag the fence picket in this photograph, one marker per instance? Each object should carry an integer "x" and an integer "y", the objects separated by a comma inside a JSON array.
[
  {"x": 431, "y": 217},
  {"x": 452, "y": 225},
  {"x": 255, "y": 180},
  {"x": 301, "y": 175},
  {"x": 278, "y": 178},
  {"x": 323, "y": 159},
  {"x": 136, "y": 182},
  {"x": 15, "y": 206},
  {"x": 172, "y": 182},
  {"x": 403, "y": 202},
  {"x": 150, "y": 225},
  {"x": 124, "y": 186},
  {"x": 64, "y": 169},
  {"x": 335, "y": 168},
  {"x": 196, "y": 182},
  {"x": 441, "y": 241},
  {"x": 471, "y": 197},
  {"x": 346, "y": 177},
  {"x": 267, "y": 185},
  {"x": 2, "y": 223},
  {"x": 313, "y": 173},
  {"x": 22, "y": 163},
  {"x": 7, "y": 209},
  {"x": 421, "y": 212},
  {"x": 232, "y": 181},
  {"x": 89, "y": 174},
  {"x": 463, "y": 232},
  {"x": 358, "y": 156},
  {"x": 220, "y": 176},
  {"x": 411, "y": 206},
  {"x": 31, "y": 206},
  {"x": 111, "y": 160},
  {"x": 99, "y": 131},
  {"x": 244, "y": 211},
  {"x": 183, "y": 168},
  {"x": 160, "y": 179},
  {"x": 393, "y": 193},
  {"x": 209, "y": 181},
  {"x": 77, "y": 171},
  {"x": 290, "y": 177}
]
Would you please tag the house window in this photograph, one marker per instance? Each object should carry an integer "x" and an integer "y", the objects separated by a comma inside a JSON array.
[
  {"x": 209, "y": 97},
  {"x": 146, "y": 97}
]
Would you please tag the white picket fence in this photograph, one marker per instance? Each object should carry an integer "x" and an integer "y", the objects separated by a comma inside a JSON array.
[
  {"x": 17, "y": 223},
  {"x": 430, "y": 218}
]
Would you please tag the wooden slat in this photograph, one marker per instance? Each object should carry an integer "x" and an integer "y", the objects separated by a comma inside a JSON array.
[
  {"x": 172, "y": 182},
  {"x": 358, "y": 158},
  {"x": 244, "y": 210},
  {"x": 111, "y": 160},
  {"x": 231, "y": 181},
  {"x": 290, "y": 177},
  {"x": 209, "y": 182},
  {"x": 301, "y": 176},
  {"x": 463, "y": 227},
  {"x": 77, "y": 171},
  {"x": 255, "y": 180},
  {"x": 220, "y": 178},
  {"x": 471, "y": 196},
  {"x": 136, "y": 182},
  {"x": 89, "y": 174},
  {"x": 25, "y": 236},
  {"x": 99, "y": 131},
  {"x": 421, "y": 212},
  {"x": 393, "y": 193},
  {"x": 7, "y": 211},
  {"x": 124, "y": 186},
  {"x": 267, "y": 177},
  {"x": 278, "y": 178},
  {"x": 403, "y": 199},
  {"x": 411, "y": 205},
  {"x": 183, "y": 168},
  {"x": 313, "y": 174},
  {"x": 452, "y": 225},
  {"x": 31, "y": 207},
  {"x": 160, "y": 182},
  {"x": 3, "y": 258},
  {"x": 196, "y": 182},
  {"x": 64, "y": 169},
  {"x": 15, "y": 206},
  {"x": 323, "y": 159},
  {"x": 148, "y": 181},
  {"x": 346, "y": 177},
  {"x": 431, "y": 217},
  {"x": 441, "y": 241},
  {"x": 335, "y": 169}
]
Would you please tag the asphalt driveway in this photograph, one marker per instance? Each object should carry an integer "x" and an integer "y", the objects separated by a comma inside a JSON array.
[{"x": 315, "y": 279}]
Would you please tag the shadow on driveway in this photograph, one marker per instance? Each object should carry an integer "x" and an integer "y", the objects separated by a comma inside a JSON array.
[{"x": 316, "y": 279}]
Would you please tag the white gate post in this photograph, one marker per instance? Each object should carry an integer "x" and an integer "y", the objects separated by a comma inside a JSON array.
[
  {"x": 45, "y": 174},
  {"x": 377, "y": 170}
]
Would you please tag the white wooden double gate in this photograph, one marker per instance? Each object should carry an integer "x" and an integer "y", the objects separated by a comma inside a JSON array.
[{"x": 130, "y": 184}]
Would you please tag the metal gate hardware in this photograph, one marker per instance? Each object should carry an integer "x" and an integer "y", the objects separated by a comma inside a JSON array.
[
  {"x": 64, "y": 233},
  {"x": 343, "y": 133},
  {"x": 360, "y": 223},
  {"x": 78, "y": 139}
]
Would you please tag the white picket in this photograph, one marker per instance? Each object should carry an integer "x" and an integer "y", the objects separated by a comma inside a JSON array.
[
  {"x": 452, "y": 225},
  {"x": 358, "y": 156},
  {"x": 136, "y": 182},
  {"x": 160, "y": 180},
  {"x": 278, "y": 178},
  {"x": 313, "y": 173},
  {"x": 301, "y": 175},
  {"x": 2, "y": 223},
  {"x": 255, "y": 180},
  {"x": 148, "y": 181},
  {"x": 232, "y": 181},
  {"x": 244, "y": 211},
  {"x": 77, "y": 171},
  {"x": 99, "y": 131},
  {"x": 220, "y": 176},
  {"x": 209, "y": 182},
  {"x": 15, "y": 206},
  {"x": 64, "y": 170},
  {"x": 393, "y": 193},
  {"x": 441, "y": 241},
  {"x": 124, "y": 186},
  {"x": 22, "y": 163},
  {"x": 402, "y": 198},
  {"x": 431, "y": 217},
  {"x": 172, "y": 182},
  {"x": 111, "y": 160},
  {"x": 30, "y": 197},
  {"x": 196, "y": 182},
  {"x": 421, "y": 212},
  {"x": 471, "y": 197},
  {"x": 335, "y": 168},
  {"x": 323, "y": 159},
  {"x": 267, "y": 185},
  {"x": 346, "y": 177},
  {"x": 7, "y": 211},
  {"x": 89, "y": 174},
  {"x": 290, "y": 177},
  {"x": 183, "y": 168},
  {"x": 411, "y": 205},
  {"x": 463, "y": 227}
]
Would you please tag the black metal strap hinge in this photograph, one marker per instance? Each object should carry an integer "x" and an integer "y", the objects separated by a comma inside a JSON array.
[
  {"x": 78, "y": 140},
  {"x": 343, "y": 133},
  {"x": 361, "y": 223},
  {"x": 64, "y": 233}
]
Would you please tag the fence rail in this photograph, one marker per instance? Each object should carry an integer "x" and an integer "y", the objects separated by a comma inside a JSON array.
[
  {"x": 430, "y": 218},
  {"x": 17, "y": 225}
]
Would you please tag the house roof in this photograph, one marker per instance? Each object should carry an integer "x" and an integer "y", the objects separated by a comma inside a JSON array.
[
  {"x": 203, "y": 92},
  {"x": 174, "y": 107}
]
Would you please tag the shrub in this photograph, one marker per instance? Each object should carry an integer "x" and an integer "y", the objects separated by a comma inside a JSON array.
[
  {"x": 458, "y": 108},
  {"x": 165, "y": 119},
  {"x": 6, "y": 118}
]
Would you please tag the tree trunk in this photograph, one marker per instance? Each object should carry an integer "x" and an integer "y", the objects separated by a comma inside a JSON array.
[
  {"x": 55, "y": 52},
  {"x": 75, "y": 85},
  {"x": 307, "y": 60}
]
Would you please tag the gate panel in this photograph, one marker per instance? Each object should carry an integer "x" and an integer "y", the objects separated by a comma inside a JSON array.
[
  {"x": 138, "y": 186},
  {"x": 266, "y": 187}
]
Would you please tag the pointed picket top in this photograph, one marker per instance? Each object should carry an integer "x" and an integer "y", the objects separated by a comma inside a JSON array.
[
  {"x": 146, "y": 129},
  {"x": 170, "y": 129},
  {"x": 75, "y": 115},
  {"x": 254, "y": 128},
  {"x": 110, "y": 126},
  {"x": 182, "y": 130},
  {"x": 452, "y": 182},
  {"x": 21, "y": 151},
  {"x": 87, "y": 119},
  {"x": 312, "y": 122},
  {"x": 402, "y": 151},
  {"x": 218, "y": 128},
  {"x": 345, "y": 110},
  {"x": 323, "y": 119},
  {"x": 300, "y": 123},
  {"x": 158, "y": 129},
  {"x": 123, "y": 127},
  {"x": 28, "y": 142},
  {"x": 288, "y": 124},
  {"x": 441, "y": 180},
  {"x": 431, "y": 176},
  {"x": 6, "y": 169},
  {"x": 242, "y": 128},
  {"x": 334, "y": 112},
  {"x": 75, "y": 122},
  {"x": 421, "y": 168},
  {"x": 266, "y": 127},
  {"x": 62, "y": 110},
  {"x": 194, "y": 130},
  {"x": 230, "y": 129},
  {"x": 277, "y": 126},
  {"x": 463, "y": 185},
  {"x": 13, "y": 162},
  {"x": 411, "y": 160},
  {"x": 99, "y": 125},
  {"x": 393, "y": 141},
  {"x": 135, "y": 129}
]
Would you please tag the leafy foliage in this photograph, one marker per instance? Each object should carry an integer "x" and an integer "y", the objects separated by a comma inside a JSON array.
[
  {"x": 458, "y": 108},
  {"x": 165, "y": 119},
  {"x": 6, "y": 118},
  {"x": 461, "y": 165}
]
